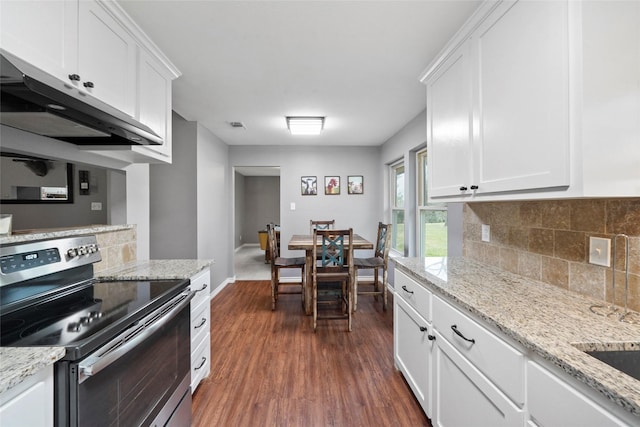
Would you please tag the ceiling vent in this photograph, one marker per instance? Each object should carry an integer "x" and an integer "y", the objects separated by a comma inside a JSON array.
[{"x": 237, "y": 125}]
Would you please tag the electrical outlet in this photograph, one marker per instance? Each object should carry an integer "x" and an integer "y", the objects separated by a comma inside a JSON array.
[
  {"x": 600, "y": 251},
  {"x": 96, "y": 206},
  {"x": 486, "y": 233}
]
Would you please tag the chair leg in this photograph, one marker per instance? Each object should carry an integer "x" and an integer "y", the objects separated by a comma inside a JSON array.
[
  {"x": 384, "y": 289},
  {"x": 350, "y": 299},
  {"x": 376, "y": 287},
  {"x": 273, "y": 290},
  {"x": 315, "y": 305},
  {"x": 355, "y": 292}
]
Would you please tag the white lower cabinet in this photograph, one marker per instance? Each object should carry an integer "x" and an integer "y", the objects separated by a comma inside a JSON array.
[
  {"x": 546, "y": 390},
  {"x": 200, "y": 328},
  {"x": 464, "y": 396},
  {"x": 413, "y": 346},
  {"x": 29, "y": 403},
  {"x": 464, "y": 372}
]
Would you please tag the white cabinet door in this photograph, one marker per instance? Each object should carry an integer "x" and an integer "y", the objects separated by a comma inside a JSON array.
[
  {"x": 107, "y": 57},
  {"x": 43, "y": 33},
  {"x": 29, "y": 403},
  {"x": 449, "y": 126},
  {"x": 413, "y": 345},
  {"x": 545, "y": 390},
  {"x": 154, "y": 100},
  {"x": 522, "y": 141},
  {"x": 200, "y": 328},
  {"x": 464, "y": 397}
]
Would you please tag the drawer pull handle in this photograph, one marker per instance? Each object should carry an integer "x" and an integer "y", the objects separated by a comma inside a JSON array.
[
  {"x": 404, "y": 288},
  {"x": 458, "y": 333},
  {"x": 474, "y": 187},
  {"x": 204, "y": 360},
  {"x": 429, "y": 336},
  {"x": 203, "y": 287},
  {"x": 202, "y": 322},
  {"x": 463, "y": 188}
]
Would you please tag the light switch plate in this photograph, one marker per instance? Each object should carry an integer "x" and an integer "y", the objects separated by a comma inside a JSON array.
[
  {"x": 293, "y": 206},
  {"x": 96, "y": 206},
  {"x": 600, "y": 251},
  {"x": 486, "y": 233}
]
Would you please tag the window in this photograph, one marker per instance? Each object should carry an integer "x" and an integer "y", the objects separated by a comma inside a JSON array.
[
  {"x": 397, "y": 206},
  {"x": 432, "y": 217}
]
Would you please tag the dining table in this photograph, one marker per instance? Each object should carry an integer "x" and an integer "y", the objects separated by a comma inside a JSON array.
[{"x": 305, "y": 242}]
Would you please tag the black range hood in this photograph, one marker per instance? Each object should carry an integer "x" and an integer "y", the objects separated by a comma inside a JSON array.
[{"x": 34, "y": 101}]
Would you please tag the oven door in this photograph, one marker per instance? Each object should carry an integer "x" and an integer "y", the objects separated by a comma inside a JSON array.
[{"x": 140, "y": 378}]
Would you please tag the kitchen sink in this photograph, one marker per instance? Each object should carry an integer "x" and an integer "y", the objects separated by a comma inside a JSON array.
[{"x": 627, "y": 361}]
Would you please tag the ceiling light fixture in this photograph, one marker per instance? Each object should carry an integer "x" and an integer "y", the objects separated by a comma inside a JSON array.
[{"x": 305, "y": 125}]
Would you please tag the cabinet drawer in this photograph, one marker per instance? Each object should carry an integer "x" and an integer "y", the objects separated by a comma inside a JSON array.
[
  {"x": 544, "y": 392},
  {"x": 200, "y": 363},
  {"x": 201, "y": 284},
  {"x": 499, "y": 361},
  {"x": 200, "y": 322},
  {"x": 415, "y": 294}
]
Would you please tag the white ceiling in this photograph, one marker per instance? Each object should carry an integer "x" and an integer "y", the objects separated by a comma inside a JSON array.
[{"x": 355, "y": 62}]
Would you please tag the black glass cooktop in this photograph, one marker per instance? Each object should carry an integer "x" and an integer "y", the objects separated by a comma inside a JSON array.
[{"x": 82, "y": 317}]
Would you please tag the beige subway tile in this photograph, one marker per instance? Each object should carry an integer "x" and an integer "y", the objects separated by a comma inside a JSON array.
[
  {"x": 509, "y": 259},
  {"x": 570, "y": 245},
  {"x": 491, "y": 254},
  {"x": 499, "y": 234},
  {"x": 505, "y": 214},
  {"x": 518, "y": 238},
  {"x": 587, "y": 279},
  {"x": 531, "y": 214},
  {"x": 541, "y": 241},
  {"x": 555, "y": 271},
  {"x": 472, "y": 231},
  {"x": 530, "y": 265},
  {"x": 556, "y": 214},
  {"x": 623, "y": 216},
  {"x": 588, "y": 215}
]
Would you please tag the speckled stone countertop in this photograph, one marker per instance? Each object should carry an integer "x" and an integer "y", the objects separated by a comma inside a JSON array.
[
  {"x": 21, "y": 236},
  {"x": 552, "y": 322},
  {"x": 16, "y": 364},
  {"x": 156, "y": 269}
]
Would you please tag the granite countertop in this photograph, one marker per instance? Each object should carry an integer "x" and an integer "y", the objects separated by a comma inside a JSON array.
[
  {"x": 21, "y": 236},
  {"x": 554, "y": 323},
  {"x": 16, "y": 364},
  {"x": 155, "y": 269}
]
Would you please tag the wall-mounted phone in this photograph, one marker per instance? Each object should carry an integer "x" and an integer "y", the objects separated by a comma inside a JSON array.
[{"x": 83, "y": 179}]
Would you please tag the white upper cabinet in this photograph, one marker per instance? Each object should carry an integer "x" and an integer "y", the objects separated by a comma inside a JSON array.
[
  {"x": 537, "y": 100},
  {"x": 96, "y": 49},
  {"x": 43, "y": 33},
  {"x": 106, "y": 57},
  {"x": 449, "y": 118}
]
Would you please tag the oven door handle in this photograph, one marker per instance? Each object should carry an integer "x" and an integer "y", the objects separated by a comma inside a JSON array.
[{"x": 127, "y": 341}]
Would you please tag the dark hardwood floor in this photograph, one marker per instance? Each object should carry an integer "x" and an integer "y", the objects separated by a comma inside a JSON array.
[{"x": 268, "y": 368}]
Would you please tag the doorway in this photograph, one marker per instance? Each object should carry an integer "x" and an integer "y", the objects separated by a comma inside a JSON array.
[{"x": 257, "y": 203}]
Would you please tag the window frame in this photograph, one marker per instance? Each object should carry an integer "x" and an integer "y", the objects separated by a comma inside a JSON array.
[
  {"x": 395, "y": 208},
  {"x": 422, "y": 203}
]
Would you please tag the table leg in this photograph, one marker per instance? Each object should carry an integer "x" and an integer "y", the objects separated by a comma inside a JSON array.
[{"x": 308, "y": 287}]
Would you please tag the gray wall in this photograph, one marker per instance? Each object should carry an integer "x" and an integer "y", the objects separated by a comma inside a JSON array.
[
  {"x": 261, "y": 205},
  {"x": 190, "y": 201},
  {"x": 40, "y": 215},
  {"x": 239, "y": 209},
  {"x": 173, "y": 197},
  {"x": 362, "y": 212}
]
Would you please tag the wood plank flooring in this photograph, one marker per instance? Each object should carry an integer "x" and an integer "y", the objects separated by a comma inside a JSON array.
[{"x": 268, "y": 368}]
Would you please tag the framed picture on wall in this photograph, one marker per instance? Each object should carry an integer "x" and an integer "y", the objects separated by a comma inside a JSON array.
[
  {"x": 309, "y": 185},
  {"x": 332, "y": 185},
  {"x": 355, "y": 184}
]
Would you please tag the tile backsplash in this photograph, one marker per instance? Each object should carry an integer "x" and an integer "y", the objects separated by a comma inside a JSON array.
[
  {"x": 117, "y": 248},
  {"x": 549, "y": 241}
]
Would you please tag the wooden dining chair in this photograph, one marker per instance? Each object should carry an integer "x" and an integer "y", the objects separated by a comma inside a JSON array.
[
  {"x": 321, "y": 225},
  {"x": 334, "y": 255},
  {"x": 379, "y": 261},
  {"x": 278, "y": 263}
]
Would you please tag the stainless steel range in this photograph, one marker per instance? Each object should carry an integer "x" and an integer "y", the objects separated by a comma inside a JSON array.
[{"x": 127, "y": 343}]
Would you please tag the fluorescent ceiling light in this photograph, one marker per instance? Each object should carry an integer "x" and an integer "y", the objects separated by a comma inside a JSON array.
[{"x": 305, "y": 125}]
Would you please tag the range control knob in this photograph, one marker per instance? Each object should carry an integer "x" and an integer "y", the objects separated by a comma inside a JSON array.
[
  {"x": 85, "y": 320},
  {"x": 73, "y": 327},
  {"x": 95, "y": 315},
  {"x": 73, "y": 252}
]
